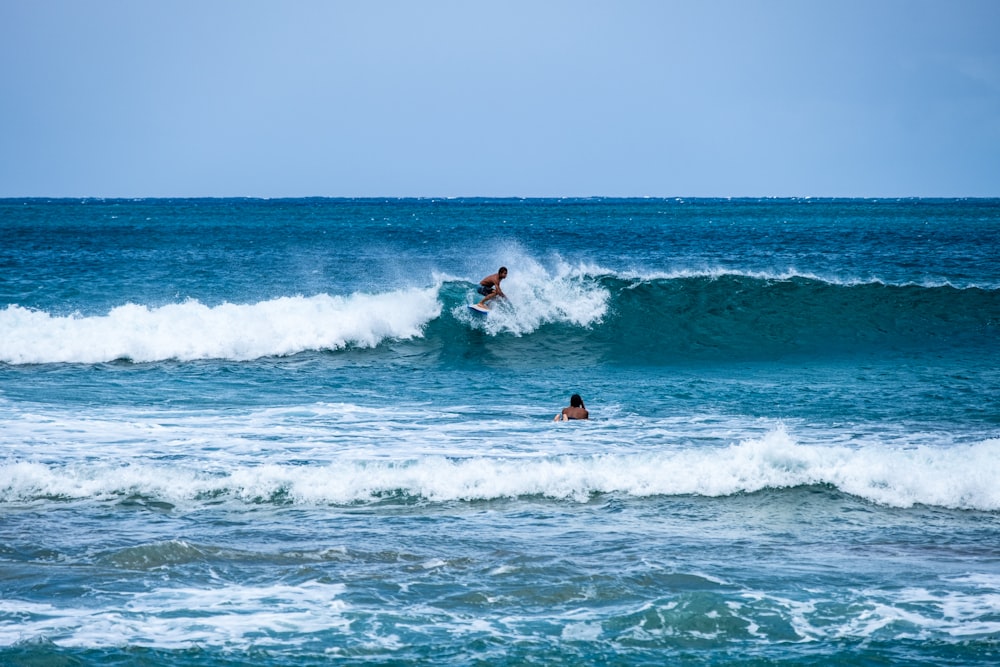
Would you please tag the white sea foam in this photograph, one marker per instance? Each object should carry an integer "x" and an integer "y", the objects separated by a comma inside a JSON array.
[
  {"x": 918, "y": 613},
  {"x": 283, "y": 616},
  {"x": 541, "y": 295},
  {"x": 171, "y": 618},
  {"x": 191, "y": 330},
  {"x": 782, "y": 275},
  {"x": 957, "y": 476}
]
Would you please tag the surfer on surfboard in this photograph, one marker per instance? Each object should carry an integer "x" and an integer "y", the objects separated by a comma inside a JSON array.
[{"x": 489, "y": 286}]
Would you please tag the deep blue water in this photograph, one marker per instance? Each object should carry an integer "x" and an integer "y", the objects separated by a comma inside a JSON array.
[{"x": 270, "y": 432}]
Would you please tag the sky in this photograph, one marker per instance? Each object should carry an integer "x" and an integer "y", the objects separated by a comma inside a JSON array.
[{"x": 499, "y": 98}]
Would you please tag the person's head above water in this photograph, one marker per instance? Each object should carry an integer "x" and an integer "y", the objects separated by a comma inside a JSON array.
[{"x": 575, "y": 401}]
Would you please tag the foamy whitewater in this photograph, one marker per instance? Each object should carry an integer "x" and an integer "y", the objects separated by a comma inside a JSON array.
[{"x": 271, "y": 432}]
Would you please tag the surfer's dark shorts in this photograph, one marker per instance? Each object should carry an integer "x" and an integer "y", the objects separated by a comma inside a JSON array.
[{"x": 485, "y": 290}]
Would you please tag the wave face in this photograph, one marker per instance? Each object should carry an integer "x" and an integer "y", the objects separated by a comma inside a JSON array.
[
  {"x": 736, "y": 316},
  {"x": 603, "y": 318}
]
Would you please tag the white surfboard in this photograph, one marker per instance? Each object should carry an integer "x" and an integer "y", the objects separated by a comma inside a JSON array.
[{"x": 479, "y": 310}]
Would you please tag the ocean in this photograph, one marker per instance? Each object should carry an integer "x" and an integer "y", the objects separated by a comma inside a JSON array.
[{"x": 270, "y": 432}]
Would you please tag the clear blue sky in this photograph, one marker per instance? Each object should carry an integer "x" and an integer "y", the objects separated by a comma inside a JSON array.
[{"x": 432, "y": 98}]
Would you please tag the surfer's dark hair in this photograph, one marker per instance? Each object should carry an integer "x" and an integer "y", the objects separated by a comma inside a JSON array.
[
  {"x": 503, "y": 269},
  {"x": 575, "y": 401}
]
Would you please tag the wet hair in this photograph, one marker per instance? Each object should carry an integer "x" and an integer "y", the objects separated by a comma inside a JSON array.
[
  {"x": 575, "y": 401},
  {"x": 503, "y": 269}
]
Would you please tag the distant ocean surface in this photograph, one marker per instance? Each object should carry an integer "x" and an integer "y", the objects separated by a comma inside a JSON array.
[{"x": 270, "y": 432}]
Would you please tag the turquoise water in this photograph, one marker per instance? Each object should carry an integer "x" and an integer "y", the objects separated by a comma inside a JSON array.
[{"x": 270, "y": 432}]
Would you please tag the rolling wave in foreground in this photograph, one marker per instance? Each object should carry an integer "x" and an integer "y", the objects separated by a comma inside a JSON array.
[{"x": 961, "y": 477}]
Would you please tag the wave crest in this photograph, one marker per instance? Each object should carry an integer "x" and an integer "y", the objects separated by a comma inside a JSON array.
[
  {"x": 191, "y": 330},
  {"x": 599, "y": 316}
]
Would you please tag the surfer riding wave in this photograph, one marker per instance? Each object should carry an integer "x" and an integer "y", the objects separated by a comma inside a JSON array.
[{"x": 489, "y": 287}]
